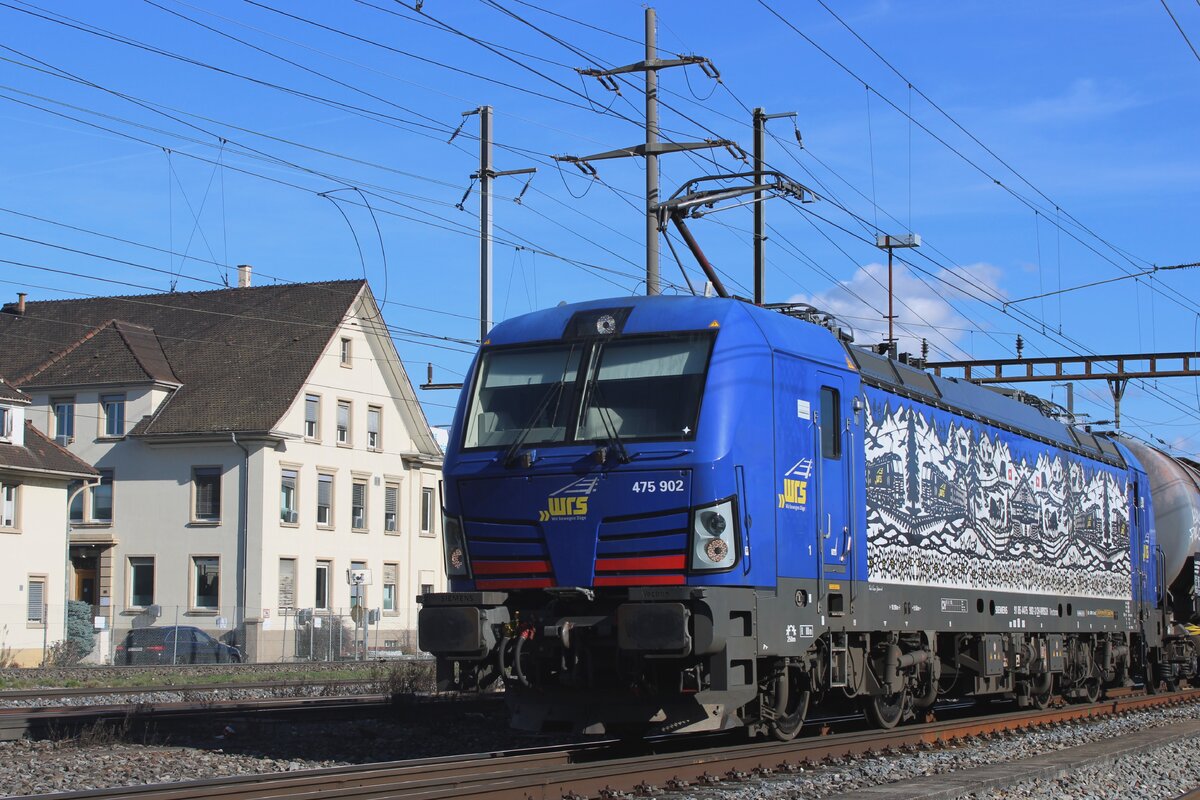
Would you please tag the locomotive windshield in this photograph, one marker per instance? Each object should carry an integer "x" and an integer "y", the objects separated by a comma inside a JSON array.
[{"x": 636, "y": 388}]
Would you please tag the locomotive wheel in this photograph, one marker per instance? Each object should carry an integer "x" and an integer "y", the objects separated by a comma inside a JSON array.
[
  {"x": 1042, "y": 701},
  {"x": 886, "y": 710},
  {"x": 1092, "y": 687},
  {"x": 786, "y": 727}
]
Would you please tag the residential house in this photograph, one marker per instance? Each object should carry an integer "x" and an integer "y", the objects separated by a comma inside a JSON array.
[
  {"x": 34, "y": 472},
  {"x": 253, "y": 444}
]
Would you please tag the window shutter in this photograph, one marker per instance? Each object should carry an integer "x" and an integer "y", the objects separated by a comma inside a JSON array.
[
  {"x": 389, "y": 573},
  {"x": 359, "y": 495},
  {"x": 343, "y": 416},
  {"x": 287, "y": 583},
  {"x": 310, "y": 408},
  {"x": 390, "y": 497},
  {"x": 324, "y": 490},
  {"x": 37, "y": 599}
]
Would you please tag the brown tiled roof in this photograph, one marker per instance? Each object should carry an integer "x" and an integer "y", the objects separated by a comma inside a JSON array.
[
  {"x": 43, "y": 455},
  {"x": 115, "y": 352},
  {"x": 241, "y": 355},
  {"x": 10, "y": 394}
]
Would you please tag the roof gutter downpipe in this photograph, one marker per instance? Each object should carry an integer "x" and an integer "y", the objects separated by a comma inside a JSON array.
[{"x": 239, "y": 614}]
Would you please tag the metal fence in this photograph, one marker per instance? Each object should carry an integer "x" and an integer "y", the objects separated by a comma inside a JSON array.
[{"x": 56, "y": 635}]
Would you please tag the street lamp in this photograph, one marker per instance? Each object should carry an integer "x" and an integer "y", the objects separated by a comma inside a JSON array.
[{"x": 890, "y": 243}]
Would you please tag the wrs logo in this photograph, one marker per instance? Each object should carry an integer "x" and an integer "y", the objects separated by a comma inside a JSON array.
[
  {"x": 570, "y": 502},
  {"x": 795, "y": 486}
]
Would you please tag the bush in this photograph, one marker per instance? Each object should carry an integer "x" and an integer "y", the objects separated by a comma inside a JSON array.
[
  {"x": 333, "y": 638},
  {"x": 79, "y": 627},
  {"x": 63, "y": 654}
]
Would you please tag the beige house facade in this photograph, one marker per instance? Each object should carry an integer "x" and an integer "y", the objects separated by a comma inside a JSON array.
[
  {"x": 253, "y": 447},
  {"x": 34, "y": 474}
]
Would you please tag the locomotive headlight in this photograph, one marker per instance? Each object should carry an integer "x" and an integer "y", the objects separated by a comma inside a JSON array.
[
  {"x": 714, "y": 522},
  {"x": 715, "y": 536},
  {"x": 457, "y": 565}
]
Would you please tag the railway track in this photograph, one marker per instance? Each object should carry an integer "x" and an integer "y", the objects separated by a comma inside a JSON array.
[
  {"x": 607, "y": 768},
  {"x": 82, "y": 691}
]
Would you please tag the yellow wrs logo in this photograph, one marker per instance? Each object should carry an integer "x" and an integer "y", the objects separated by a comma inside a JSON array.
[
  {"x": 569, "y": 502},
  {"x": 795, "y": 485},
  {"x": 563, "y": 507}
]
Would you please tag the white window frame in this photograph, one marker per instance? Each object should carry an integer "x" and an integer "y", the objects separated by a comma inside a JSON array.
[
  {"x": 194, "y": 583},
  {"x": 283, "y": 607},
  {"x": 208, "y": 470},
  {"x": 315, "y": 434},
  {"x": 43, "y": 612},
  {"x": 56, "y": 403},
  {"x": 344, "y": 437},
  {"x": 356, "y": 564},
  {"x": 327, "y": 565},
  {"x": 10, "y": 507},
  {"x": 330, "y": 518},
  {"x": 107, "y": 425},
  {"x": 393, "y": 488},
  {"x": 346, "y": 353},
  {"x": 427, "y": 511},
  {"x": 394, "y": 583},
  {"x": 130, "y": 561},
  {"x": 6, "y": 422},
  {"x": 294, "y": 510},
  {"x": 375, "y": 437},
  {"x": 359, "y": 523}
]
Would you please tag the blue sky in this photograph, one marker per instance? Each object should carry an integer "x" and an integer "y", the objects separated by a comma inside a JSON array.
[{"x": 132, "y": 120}]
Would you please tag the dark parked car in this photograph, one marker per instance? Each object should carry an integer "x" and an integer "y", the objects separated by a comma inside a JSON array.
[{"x": 174, "y": 644}]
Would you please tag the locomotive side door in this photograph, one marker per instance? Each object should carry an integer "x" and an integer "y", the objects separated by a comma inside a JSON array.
[{"x": 832, "y": 473}]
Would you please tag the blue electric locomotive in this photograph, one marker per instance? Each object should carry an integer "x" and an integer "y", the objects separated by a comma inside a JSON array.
[{"x": 682, "y": 514}]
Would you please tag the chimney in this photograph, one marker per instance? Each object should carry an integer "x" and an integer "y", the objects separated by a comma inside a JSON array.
[
  {"x": 21, "y": 303},
  {"x": 244, "y": 272}
]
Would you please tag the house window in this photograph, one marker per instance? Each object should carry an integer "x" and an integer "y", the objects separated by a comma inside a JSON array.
[
  {"x": 8, "y": 505},
  {"x": 391, "y": 504},
  {"x": 427, "y": 512},
  {"x": 288, "y": 510},
  {"x": 312, "y": 416},
  {"x": 373, "y": 415},
  {"x": 206, "y": 494},
  {"x": 325, "y": 500},
  {"x": 390, "y": 573},
  {"x": 287, "y": 584},
  {"x": 64, "y": 419},
  {"x": 206, "y": 581},
  {"x": 345, "y": 355},
  {"x": 343, "y": 422},
  {"x": 6, "y": 418},
  {"x": 321, "y": 595},
  {"x": 113, "y": 417},
  {"x": 426, "y": 588},
  {"x": 36, "y": 606},
  {"x": 102, "y": 498},
  {"x": 141, "y": 581},
  {"x": 358, "y": 505},
  {"x": 358, "y": 593}
]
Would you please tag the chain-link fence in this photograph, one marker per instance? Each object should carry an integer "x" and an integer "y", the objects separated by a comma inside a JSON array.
[{"x": 58, "y": 635}]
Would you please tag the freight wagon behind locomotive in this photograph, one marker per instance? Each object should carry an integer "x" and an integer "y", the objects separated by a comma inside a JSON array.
[{"x": 679, "y": 514}]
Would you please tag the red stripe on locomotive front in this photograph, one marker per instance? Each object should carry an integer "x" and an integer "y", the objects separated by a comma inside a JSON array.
[
  {"x": 638, "y": 580},
  {"x": 514, "y": 583},
  {"x": 509, "y": 567},
  {"x": 637, "y": 563}
]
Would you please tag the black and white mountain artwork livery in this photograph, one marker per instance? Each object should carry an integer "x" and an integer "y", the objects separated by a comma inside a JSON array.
[{"x": 959, "y": 504}]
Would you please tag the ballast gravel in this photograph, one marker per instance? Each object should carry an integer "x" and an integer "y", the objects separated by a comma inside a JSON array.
[
  {"x": 1165, "y": 772},
  {"x": 35, "y": 767},
  {"x": 186, "y": 695}
]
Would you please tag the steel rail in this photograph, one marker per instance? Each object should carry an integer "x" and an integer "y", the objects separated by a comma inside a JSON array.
[
  {"x": 553, "y": 773},
  {"x": 98, "y": 691}
]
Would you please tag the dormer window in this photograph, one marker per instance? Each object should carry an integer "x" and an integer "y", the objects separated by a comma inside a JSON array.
[{"x": 6, "y": 422}]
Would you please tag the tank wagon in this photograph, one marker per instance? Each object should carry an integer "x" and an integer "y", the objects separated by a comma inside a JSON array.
[{"x": 680, "y": 514}]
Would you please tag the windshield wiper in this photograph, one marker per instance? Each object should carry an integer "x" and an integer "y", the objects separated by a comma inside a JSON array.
[
  {"x": 511, "y": 453},
  {"x": 612, "y": 437}
]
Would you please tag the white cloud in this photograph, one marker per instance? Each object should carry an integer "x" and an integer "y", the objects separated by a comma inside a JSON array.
[
  {"x": 1083, "y": 101},
  {"x": 929, "y": 308}
]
